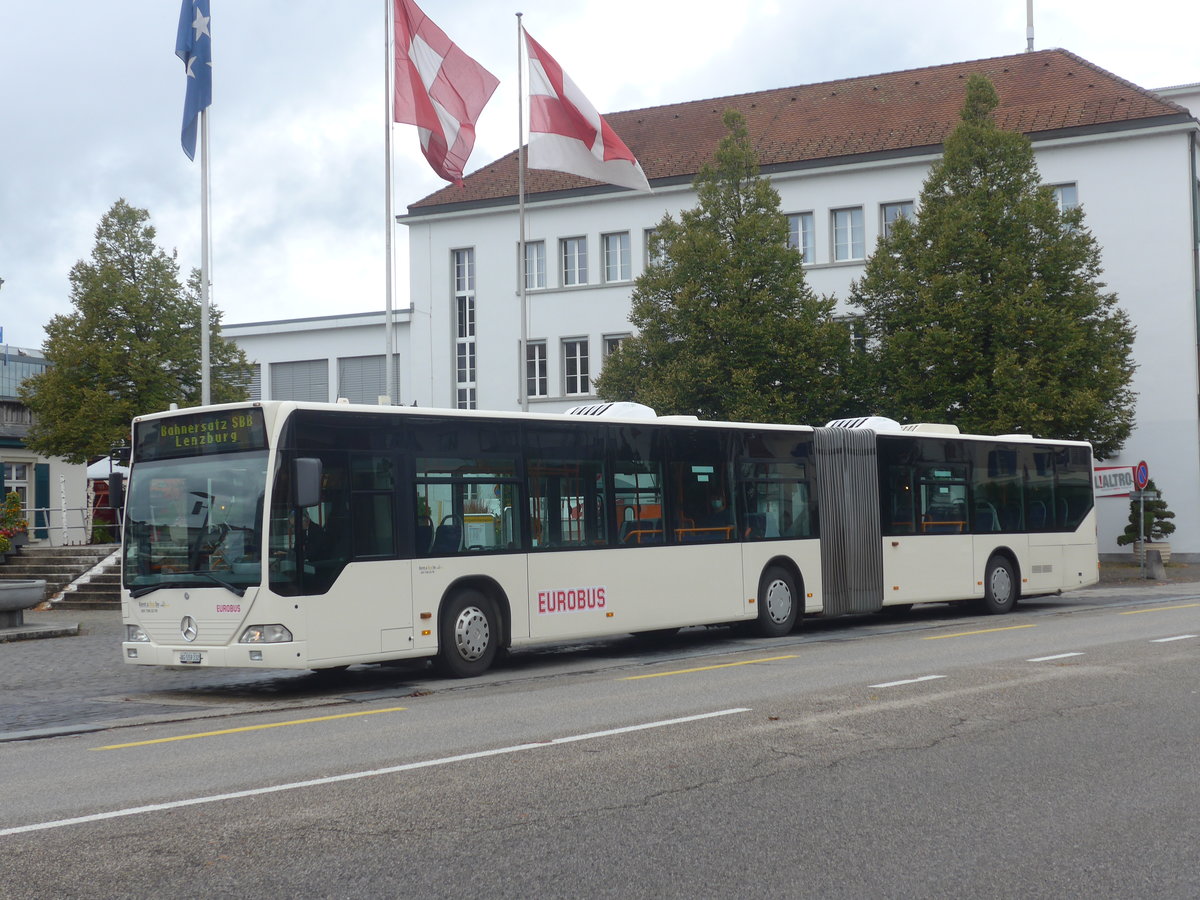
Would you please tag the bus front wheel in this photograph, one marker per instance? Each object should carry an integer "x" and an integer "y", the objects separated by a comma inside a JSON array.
[
  {"x": 778, "y": 603},
  {"x": 468, "y": 636},
  {"x": 999, "y": 587}
]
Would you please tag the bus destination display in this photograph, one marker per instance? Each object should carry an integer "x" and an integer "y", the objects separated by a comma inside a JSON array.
[{"x": 199, "y": 434}]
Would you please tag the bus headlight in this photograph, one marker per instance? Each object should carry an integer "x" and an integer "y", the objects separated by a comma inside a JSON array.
[
  {"x": 135, "y": 633},
  {"x": 265, "y": 634}
]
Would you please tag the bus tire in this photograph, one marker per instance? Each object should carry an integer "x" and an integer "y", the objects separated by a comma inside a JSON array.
[
  {"x": 778, "y": 603},
  {"x": 468, "y": 635},
  {"x": 1000, "y": 587}
]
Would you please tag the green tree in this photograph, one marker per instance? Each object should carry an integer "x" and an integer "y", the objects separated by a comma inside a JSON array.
[
  {"x": 727, "y": 327},
  {"x": 1155, "y": 519},
  {"x": 131, "y": 346},
  {"x": 988, "y": 311}
]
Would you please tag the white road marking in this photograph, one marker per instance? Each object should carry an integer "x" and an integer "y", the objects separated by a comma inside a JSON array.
[
  {"x": 1055, "y": 656},
  {"x": 1178, "y": 637},
  {"x": 907, "y": 681},
  {"x": 354, "y": 776}
]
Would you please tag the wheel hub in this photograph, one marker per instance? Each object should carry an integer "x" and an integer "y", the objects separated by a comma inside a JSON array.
[
  {"x": 471, "y": 633},
  {"x": 779, "y": 601},
  {"x": 1001, "y": 584}
]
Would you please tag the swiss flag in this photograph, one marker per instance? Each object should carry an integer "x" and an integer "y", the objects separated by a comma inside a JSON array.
[
  {"x": 439, "y": 89},
  {"x": 566, "y": 133}
]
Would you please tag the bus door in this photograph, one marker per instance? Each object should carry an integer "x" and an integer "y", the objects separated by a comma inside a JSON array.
[
  {"x": 571, "y": 586},
  {"x": 931, "y": 553}
]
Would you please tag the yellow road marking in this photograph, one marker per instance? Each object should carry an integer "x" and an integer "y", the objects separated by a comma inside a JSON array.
[
  {"x": 1134, "y": 612},
  {"x": 938, "y": 637},
  {"x": 748, "y": 662},
  {"x": 204, "y": 734}
]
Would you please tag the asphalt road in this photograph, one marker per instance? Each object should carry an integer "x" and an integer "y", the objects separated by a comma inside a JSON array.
[{"x": 935, "y": 756}]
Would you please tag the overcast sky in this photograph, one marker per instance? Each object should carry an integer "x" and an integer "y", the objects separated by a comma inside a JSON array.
[{"x": 91, "y": 97}]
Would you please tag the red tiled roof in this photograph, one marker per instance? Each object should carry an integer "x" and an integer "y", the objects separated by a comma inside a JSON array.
[{"x": 1043, "y": 91}]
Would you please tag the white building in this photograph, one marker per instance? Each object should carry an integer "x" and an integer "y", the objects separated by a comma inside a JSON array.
[
  {"x": 845, "y": 157},
  {"x": 53, "y": 491},
  {"x": 321, "y": 358}
]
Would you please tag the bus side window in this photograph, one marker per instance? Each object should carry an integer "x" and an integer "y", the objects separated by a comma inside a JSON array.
[
  {"x": 372, "y": 504},
  {"x": 898, "y": 509},
  {"x": 775, "y": 501},
  {"x": 703, "y": 511},
  {"x": 566, "y": 508}
]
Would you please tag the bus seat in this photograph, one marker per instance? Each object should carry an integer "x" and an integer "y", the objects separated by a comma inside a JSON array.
[
  {"x": 448, "y": 538},
  {"x": 423, "y": 536},
  {"x": 641, "y": 531},
  {"x": 756, "y": 526},
  {"x": 985, "y": 517},
  {"x": 627, "y": 526},
  {"x": 1010, "y": 517},
  {"x": 1037, "y": 516},
  {"x": 943, "y": 520}
]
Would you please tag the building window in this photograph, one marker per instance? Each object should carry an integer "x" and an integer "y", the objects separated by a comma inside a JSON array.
[
  {"x": 363, "y": 379},
  {"x": 16, "y": 480},
  {"x": 856, "y": 326},
  {"x": 536, "y": 384},
  {"x": 848, "y": 241},
  {"x": 613, "y": 342},
  {"x": 535, "y": 265},
  {"x": 616, "y": 257},
  {"x": 890, "y": 212},
  {"x": 575, "y": 367},
  {"x": 464, "y": 325},
  {"x": 574, "y": 261},
  {"x": 301, "y": 380},
  {"x": 654, "y": 249},
  {"x": 1066, "y": 196},
  {"x": 800, "y": 235}
]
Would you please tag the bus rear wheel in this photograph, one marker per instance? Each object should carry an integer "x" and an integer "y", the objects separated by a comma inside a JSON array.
[
  {"x": 999, "y": 587},
  {"x": 468, "y": 635},
  {"x": 778, "y": 603}
]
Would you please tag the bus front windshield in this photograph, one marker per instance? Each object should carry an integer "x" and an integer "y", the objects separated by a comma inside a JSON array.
[{"x": 195, "y": 522}]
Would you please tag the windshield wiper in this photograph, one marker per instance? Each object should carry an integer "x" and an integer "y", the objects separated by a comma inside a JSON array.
[{"x": 142, "y": 591}]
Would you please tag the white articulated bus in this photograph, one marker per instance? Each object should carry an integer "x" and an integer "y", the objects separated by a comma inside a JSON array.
[{"x": 305, "y": 535}]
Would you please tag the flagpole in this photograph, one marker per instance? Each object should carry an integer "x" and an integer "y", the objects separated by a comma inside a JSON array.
[
  {"x": 205, "y": 264},
  {"x": 523, "y": 352},
  {"x": 389, "y": 345}
]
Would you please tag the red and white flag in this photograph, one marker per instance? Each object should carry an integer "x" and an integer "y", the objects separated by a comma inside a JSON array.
[
  {"x": 566, "y": 133},
  {"x": 439, "y": 89}
]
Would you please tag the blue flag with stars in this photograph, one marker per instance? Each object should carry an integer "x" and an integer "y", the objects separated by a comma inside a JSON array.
[{"x": 193, "y": 44}]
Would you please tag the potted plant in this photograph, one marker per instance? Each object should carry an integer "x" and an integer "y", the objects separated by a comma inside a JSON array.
[
  {"x": 13, "y": 528},
  {"x": 1149, "y": 519}
]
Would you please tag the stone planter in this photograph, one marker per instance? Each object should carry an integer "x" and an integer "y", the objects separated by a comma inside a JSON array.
[
  {"x": 1163, "y": 547},
  {"x": 16, "y": 596}
]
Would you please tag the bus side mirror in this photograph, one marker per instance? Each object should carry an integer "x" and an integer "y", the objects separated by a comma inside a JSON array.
[
  {"x": 116, "y": 490},
  {"x": 307, "y": 478}
]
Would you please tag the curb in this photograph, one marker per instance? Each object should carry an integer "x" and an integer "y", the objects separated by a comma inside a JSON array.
[{"x": 29, "y": 632}]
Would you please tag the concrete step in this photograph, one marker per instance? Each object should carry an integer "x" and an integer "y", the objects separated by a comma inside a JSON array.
[
  {"x": 60, "y": 567},
  {"x": 80, "y": 553},
  {"x": 75, "y": 600}
]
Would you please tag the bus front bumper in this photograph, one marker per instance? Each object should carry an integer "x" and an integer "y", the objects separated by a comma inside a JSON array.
[{"x": 288, "y": 655}]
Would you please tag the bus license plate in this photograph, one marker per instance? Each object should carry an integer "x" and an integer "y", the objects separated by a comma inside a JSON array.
[{"x": 194, "y": 657}]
